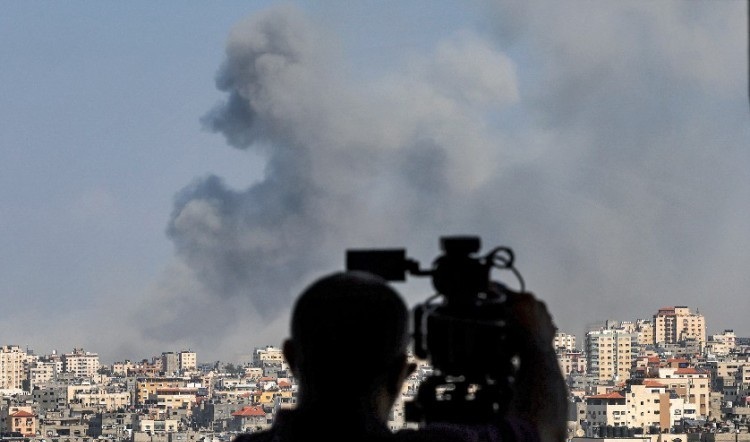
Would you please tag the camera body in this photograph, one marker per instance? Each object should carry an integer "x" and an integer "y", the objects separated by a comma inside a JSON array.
[{"x": 464, "y": 330}]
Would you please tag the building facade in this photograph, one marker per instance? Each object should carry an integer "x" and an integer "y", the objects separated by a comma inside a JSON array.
[
  {"x": 677, "y": 324},
  {"x": 564, "y": 342},
  {"x": 11, "y": 367},
  {"x": 610, "y": 354},
  {"x": 82, "y": 364}
]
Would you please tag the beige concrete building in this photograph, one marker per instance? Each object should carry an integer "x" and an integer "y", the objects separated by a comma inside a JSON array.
[
  {"x": 721, "y": 344},
  {"x": 564, "y": 342},
  {"x": 692, "y": 385},
  {"x": 146, "y": 387},
  {"x": 7, "y": 423},
  {"x": 728, "y": 369},
  {"x": 188, "y": 361},
  {"x": 269, "y": 354},
  {"x": 23, "y": 422},
  {"x": 123, "y": 368},
  {"x": 74, "y": 390},
  {"x": 253, "y": 372},
  {"x": 644, "y": 331},
  {"x": 609, "y": 354},
  {"x": 250, "y": 418},
  {"x": 41, "y": 372},
  {"x": 103, "y": 401},
  {"x": 82, "y": 363},
  {"x": 151, "y": 426},
  {"x": 677, "y": 324},
  {"x": 606, "y": 409},
  {"x": 12, "y": 372},
  {"x": 571, "y": 362},
  {"x": 649, "y": 405},
  {"x": 165, "y": 398},
  {"x": 645, "y": 405}
]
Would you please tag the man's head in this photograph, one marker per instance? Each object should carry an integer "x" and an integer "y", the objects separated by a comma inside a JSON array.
[{"x": 349, "y": 326}]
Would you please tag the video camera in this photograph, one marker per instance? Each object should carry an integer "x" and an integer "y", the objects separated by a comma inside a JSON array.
[{"x": 464, "y": 330}]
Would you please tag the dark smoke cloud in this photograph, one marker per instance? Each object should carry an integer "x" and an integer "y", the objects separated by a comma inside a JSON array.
[
  {"x": 324, "y": 163},
  {"x": 604, "y": 166}
]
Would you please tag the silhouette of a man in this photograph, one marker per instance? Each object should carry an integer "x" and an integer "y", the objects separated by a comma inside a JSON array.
[{"x": 348, "y": 352}]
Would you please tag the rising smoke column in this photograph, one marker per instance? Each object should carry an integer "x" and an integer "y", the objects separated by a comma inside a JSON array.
[
  {"x": 600, "y": 165},
  {"x": 345, "y": 161}
]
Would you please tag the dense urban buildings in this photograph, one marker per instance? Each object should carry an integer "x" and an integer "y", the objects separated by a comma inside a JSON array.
[{"x": 657, "y": 379}]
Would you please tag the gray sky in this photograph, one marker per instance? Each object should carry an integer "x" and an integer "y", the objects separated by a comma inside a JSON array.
[{"x": 174, "y": 174}]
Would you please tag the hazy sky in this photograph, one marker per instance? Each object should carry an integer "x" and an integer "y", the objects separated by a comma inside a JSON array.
[{"x": 174, "y": 173}]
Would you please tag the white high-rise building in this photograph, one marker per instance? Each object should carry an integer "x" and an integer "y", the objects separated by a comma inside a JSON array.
[{"x": 12, "y": 373}]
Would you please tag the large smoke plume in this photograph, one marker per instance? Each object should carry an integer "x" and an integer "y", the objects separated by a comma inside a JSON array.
[{"x": 603, "y": 165}]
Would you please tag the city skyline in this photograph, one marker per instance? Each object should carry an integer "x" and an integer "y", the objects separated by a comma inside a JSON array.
[
  {"x": 562, "y": 339},
  {"x": 175, "y": 175}
]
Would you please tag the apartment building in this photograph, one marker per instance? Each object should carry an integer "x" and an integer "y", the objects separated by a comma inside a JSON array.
[
  {"x": 103, "y": 401},
  {"x": 188, "y": 361},
  {"x": 644, "y": 331},
  {"x": 267, "y": 355},
  {"x": 144, "y": 368},
  {"x": 164, "y": 398},
  {"x": 82, "y": 364},
  {"x": 250, "y": 418},
  {"x": 24, "y": 422},
  {"x": 606, "y": 409},
  {"x": 54, "y": 359},
  {"x": 721, "y": 344},
  {"x": 649, "y": 405},
  {"x": 253, "y": 372},
  {"x": 731, "y": 379},
  {"x": 170, "y": 363},
  {"x": 50, "y": 396},
  {"x": 123, "y": 368},
  {"x": 16, "y": 418},
  {"x": 571, "y": 362},
  {"x": 12, "y": 372},
  {"x": 645, "y": 405},
  {"x": 692, "y": 385},
  {"x": 157, "y": 426},
  {"x": 676, "y": 324},
  {"x": 40, "y": 372},
  {"x": 147, "y": 388},
  {"x": 63, "y": 423},
  {"x": 564, "y": 342},
  {"x": 610, "y": 354}
]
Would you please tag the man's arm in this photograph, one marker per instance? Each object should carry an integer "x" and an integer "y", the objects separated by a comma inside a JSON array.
[{"x": 540, "y": 394}]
